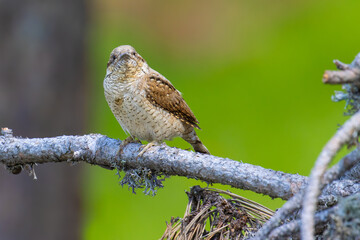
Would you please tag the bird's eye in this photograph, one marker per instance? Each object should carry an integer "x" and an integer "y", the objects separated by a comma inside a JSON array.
[
  {"x": 133, "y": 53},
  {"x": 111, "y": 60}
]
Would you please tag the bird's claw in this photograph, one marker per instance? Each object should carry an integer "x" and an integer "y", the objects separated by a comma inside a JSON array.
[
  {"x": 144, "y": 148},
  {"x": 126, "y": 142}
]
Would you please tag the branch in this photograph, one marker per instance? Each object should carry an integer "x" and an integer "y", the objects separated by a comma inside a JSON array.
[
  {"x": 347, "y": 132},
  {"x": 292, "y": 228},
  {"x": 334, "y": 190},
  {"x": 349, "y": 77},
  {"x": 100, "y": 150},
  {"x": 348, "y": 168},
  {"x": 338, "y": 219},
  {"x": 347, "y": 74},
  {"x": 294, "y": 204},
  {"x": 340, "y": 77}
]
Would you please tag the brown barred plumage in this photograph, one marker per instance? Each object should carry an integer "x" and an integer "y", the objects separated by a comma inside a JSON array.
[{"x": 145, "y": 103}]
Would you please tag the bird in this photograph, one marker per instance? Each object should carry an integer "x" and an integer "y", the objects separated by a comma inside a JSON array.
[{"x": 146, "y": 105}]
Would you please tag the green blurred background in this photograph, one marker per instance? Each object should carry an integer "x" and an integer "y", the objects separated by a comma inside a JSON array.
[{"x": 251, "y": 72}]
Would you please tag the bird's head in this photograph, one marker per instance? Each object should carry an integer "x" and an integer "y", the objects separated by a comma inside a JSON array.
[{"x": 126, "y": 61}]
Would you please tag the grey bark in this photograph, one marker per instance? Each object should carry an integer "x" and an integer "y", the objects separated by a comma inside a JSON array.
[
  {"x": 343, "y": 136},
  {"x": 100, "y": 150},
  {"x": 343, "y": 174}
]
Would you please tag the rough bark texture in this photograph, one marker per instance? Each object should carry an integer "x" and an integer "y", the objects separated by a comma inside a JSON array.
[
  {"x": 343, "y": 136},
  {"x": 41, "y": 94},
  {"x": 338, "y": 182},
  {"x": 101, "y": 150}
]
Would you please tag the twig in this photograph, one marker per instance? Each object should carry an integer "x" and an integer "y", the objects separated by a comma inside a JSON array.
[
  {"x": 344, "y": 135},
  {"x": 347, "y": 74},
  {"x": 341, "y": 65},
  {"x": 325, "y": 219},
  {"x": 100, "y": 150},
  {"x": 340, "y": 77},
  {"x": 280, "y": 216},
  {"x": 349, "y": 183},
  {"x": 295, "y": 202},
  {"x": 292, "y": 228}
]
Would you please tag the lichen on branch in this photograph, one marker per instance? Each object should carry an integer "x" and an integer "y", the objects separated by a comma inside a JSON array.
[{"x": 100, "y": 150}]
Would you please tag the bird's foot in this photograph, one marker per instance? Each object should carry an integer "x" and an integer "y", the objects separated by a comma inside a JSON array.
[
  {"x": 126, "y": 142},
  {"x": 146, "y": 147}
]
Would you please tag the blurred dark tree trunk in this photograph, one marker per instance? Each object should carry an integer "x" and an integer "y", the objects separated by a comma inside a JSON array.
[{"x": 42, "y": 93}]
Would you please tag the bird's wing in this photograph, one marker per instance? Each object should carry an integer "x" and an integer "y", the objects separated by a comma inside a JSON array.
[{"x": 161, "y": 93}]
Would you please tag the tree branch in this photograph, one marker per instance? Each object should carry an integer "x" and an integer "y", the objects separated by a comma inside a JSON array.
[
  {"x": 348, "y": 131},
  {"x": 340, "y": 77},
  {"x": 292, "y": 228},
  {"x": 347, "y": 74},
  {"x": 294, "y": 204},
  {"x": 100, "y": 150}
]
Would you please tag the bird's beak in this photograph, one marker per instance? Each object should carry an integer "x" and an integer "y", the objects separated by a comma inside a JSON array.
[{"x": 124, "y": 55}]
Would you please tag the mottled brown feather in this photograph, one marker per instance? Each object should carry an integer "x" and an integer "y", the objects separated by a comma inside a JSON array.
[{"x": 162, "y": 93}]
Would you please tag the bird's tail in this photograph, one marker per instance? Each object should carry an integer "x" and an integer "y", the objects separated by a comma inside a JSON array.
[{"x": 194, "y": 140}]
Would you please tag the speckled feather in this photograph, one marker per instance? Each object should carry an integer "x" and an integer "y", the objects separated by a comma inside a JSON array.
[
  {"x": 163, "y": 94},
  {"x": 145, "y": 103}
]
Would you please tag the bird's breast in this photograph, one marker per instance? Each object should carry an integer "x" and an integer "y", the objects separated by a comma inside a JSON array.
[{"x": 139, "y": 117}]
